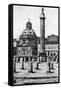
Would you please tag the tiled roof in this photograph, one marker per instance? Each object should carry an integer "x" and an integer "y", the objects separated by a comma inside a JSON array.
[{"x": 51, "y": 41}]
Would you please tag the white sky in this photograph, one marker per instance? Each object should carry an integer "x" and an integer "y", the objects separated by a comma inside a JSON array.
[{"x": 21, "y": 15}]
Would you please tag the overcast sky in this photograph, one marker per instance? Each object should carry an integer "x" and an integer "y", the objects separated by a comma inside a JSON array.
[{"x": 21, "y": 14}]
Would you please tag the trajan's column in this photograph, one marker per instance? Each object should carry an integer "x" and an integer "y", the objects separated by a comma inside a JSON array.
[{"x": 42, "y": 32}]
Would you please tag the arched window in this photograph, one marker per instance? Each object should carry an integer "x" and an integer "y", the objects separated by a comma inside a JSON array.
[
  {"x": 54, "y": 54},
  {"x": 30, "y": 32},
  {"x": 51, "y": 54}
]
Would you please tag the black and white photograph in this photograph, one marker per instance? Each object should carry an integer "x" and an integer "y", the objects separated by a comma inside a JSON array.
[{"x": 35, "y": 45}]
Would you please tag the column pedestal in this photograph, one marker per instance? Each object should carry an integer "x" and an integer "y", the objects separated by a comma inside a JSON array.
[
  {"x": 31, "y": 66},
  {"x": 22, "y": 64}
]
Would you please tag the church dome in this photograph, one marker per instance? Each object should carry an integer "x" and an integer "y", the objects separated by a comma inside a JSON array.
[{"x": 28, "y": 32}]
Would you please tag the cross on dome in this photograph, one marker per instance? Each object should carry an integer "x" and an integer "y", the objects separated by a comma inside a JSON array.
[
  {"x": 42, "y": 10},
  {"x": 28, "y": 20}
]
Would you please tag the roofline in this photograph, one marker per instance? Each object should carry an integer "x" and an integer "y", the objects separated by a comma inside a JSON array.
[{"x": 52, "y": 35}]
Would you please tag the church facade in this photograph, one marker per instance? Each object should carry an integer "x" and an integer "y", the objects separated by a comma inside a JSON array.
[{"x": 27, "y": 44}]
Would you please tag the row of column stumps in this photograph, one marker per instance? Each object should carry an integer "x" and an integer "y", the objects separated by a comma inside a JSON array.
[{"x": 31, "y": 65}]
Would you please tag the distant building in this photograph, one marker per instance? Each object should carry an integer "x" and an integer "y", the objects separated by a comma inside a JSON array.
[
  {"x": 27, "y": 44},
  {"x": 51, "y": 46},
  {"x": 14, "y": 47}
]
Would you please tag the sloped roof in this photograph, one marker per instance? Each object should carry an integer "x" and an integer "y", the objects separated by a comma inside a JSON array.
[
  {"x": 47, "y": 41},
  {"x": 52, "y": 35}
]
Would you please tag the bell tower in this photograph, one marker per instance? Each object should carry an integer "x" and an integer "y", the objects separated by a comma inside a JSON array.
[{"x": 42, "y": 31}]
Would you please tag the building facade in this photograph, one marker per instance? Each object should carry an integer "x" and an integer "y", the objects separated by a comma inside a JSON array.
[
  {"x": 27, "y": 43},
  {"x": 51, "y": 46}
]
